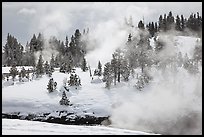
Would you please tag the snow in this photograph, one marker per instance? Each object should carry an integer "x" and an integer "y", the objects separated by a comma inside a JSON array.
[
  {"x": 33, "y": 97},
  {"x": 6, "y": 69},
  {"x": 23, "y": 127},
  {"x": 91, "y": 99}
]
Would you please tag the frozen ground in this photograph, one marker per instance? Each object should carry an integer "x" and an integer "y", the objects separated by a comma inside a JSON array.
[{"x": 23, "y": 127}]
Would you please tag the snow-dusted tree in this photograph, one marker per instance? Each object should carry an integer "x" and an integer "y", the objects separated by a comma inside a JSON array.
[
  {"x": 107, "y": 75},
  {"x": 13, "y": 51},
  {"x": 143, "y": 80},
  {"x": 46, "y": 67},
  {"x": 52, "y": 63},
  {"x": 13, "y": 71},
  {"x": 84, "y": 65},
  {"x": 55, "y": 85},
  {"x": 20, "y": 76},
  {"x": 90, "y": 71},
  {"x": 114, "y": 67},
  {"x": 125, "y": 69},
  {"x": 23, "y": 72},
  {"x": 99, "y": 69},
  {"x": 197, "y": 53},
  {"x": 74, "y": 80},
  {"x": 27, "y": 75},
  {"x": 51, "y": 85},
  {"x": 64, "y": 100},
  {"x": 39, "y": 67},
  {"x": 63, "y": 68}
]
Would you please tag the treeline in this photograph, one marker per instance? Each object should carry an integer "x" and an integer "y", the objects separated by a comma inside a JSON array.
[
  {"x": 180, "y": 23},
  {"x": 139, "y": 54},
  {"x": 70, "y": 53}
]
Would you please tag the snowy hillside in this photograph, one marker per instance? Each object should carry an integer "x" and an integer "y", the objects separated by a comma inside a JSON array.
[
  {"x": 33, "y": 97},
  {"x": 122, "y": 102},
  {"x": 23, "y": 127}
]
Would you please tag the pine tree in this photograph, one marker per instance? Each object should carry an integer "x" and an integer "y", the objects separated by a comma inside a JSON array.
[
  {"x": 13, "y": 71},
  {"x": 141, "y": 25},
  {"x": 178, "y": 23},
  {"x": 99, "y": 68},
  {"x": 125, "y": 69},
  {"x": 50, "y": 86},
  {"x": 114, "y": 66},
  {"x": 84, "y": 65},
  {"x": 52, "y": 63},
  {"x": 46, "y": 67},
  {"x": 107, "y": 75},
  {"x": 161, "y": 23},
  {"x": 165, "y": 23},
  {"x": 182, "y": 23},
  {"x": 23, "y": 72},
  {"x": 39, "y": 67},
  {"x": 64, "y": 100}
]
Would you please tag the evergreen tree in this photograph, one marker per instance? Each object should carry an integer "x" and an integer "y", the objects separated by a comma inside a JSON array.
[
  {"x": 50, "y": 86},
  {"x": 160, "y": 22},
  {"x": 84, "y": 65},
  {"x": 13, "y": 72},
  {"x": 107, "y": 75},
  {"x": 141, "y": 25},
  {"x": 182, "y": 23},
  {"x": 46, "y": 67},
  {"x": 64, "y": 100},
  {"x": 23, "y": 72},
  {"x": 165, "y": 23},
  {"x": 13, "y": 51},
  {"x": 178, "y": 23},
  {"x": 52, "y": 63},
  {"x": 39, "y": 67},
  {"x": 125, "y": 70},
  {"x": 99, "y": 68},
  {"x": 114, "y": 66}
]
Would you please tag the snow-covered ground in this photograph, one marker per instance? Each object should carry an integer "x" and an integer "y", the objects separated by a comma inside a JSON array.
[
  {"x": 91, "y": 99},
  {"x": 33, "y": 96},
  {"x": 23, "y": 127}
]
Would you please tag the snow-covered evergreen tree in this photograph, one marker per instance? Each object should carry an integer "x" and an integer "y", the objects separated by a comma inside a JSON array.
[
  {"x": 99, "y": 69},
  {"x": 23, "y": 72},
  {"x": 46, "y": 67},
  {"x": 39, "y": 67},
  {"x": 64, "y": 100},
  {"x": 84, "y": 65},
  {"x": 51, "y": 85},
  {"x": 52, "y": 63},
  {"x": 13, "y": 71},
  {"x": 107, "y": 75}
]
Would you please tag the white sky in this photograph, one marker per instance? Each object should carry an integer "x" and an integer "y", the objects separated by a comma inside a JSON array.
[{"x": 23, "y": 19}]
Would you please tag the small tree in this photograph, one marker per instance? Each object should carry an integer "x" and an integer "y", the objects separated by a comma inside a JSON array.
[
  {"x": 23, "y": 72},
  {"x": 107, "y": 75},
  {"x": 83, "y": 65},
  {"x": 46, "y": 66},
  {"x": 50, "y": 86},
  {"x": 39, "y": 67},
  {"x": 13, "y": 71},
  {"x": 52, "y": 63},
  {"x": 64, "y": 100},
  {"x": 99, "y": 68},
  {"x": 27, "y": 75}
]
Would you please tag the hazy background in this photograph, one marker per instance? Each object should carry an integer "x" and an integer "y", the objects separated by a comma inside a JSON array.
[{"x": 23, "y": 19}]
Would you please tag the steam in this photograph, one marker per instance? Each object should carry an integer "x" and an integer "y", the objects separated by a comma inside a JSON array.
[
  {"x": 106, "y": 38},
  {"x": 171, "y": 104},
  {"x": 47, "y": 52}
]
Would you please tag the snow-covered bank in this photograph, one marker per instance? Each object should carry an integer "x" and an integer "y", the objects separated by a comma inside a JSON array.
[{"x": 23, "y": 127}]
